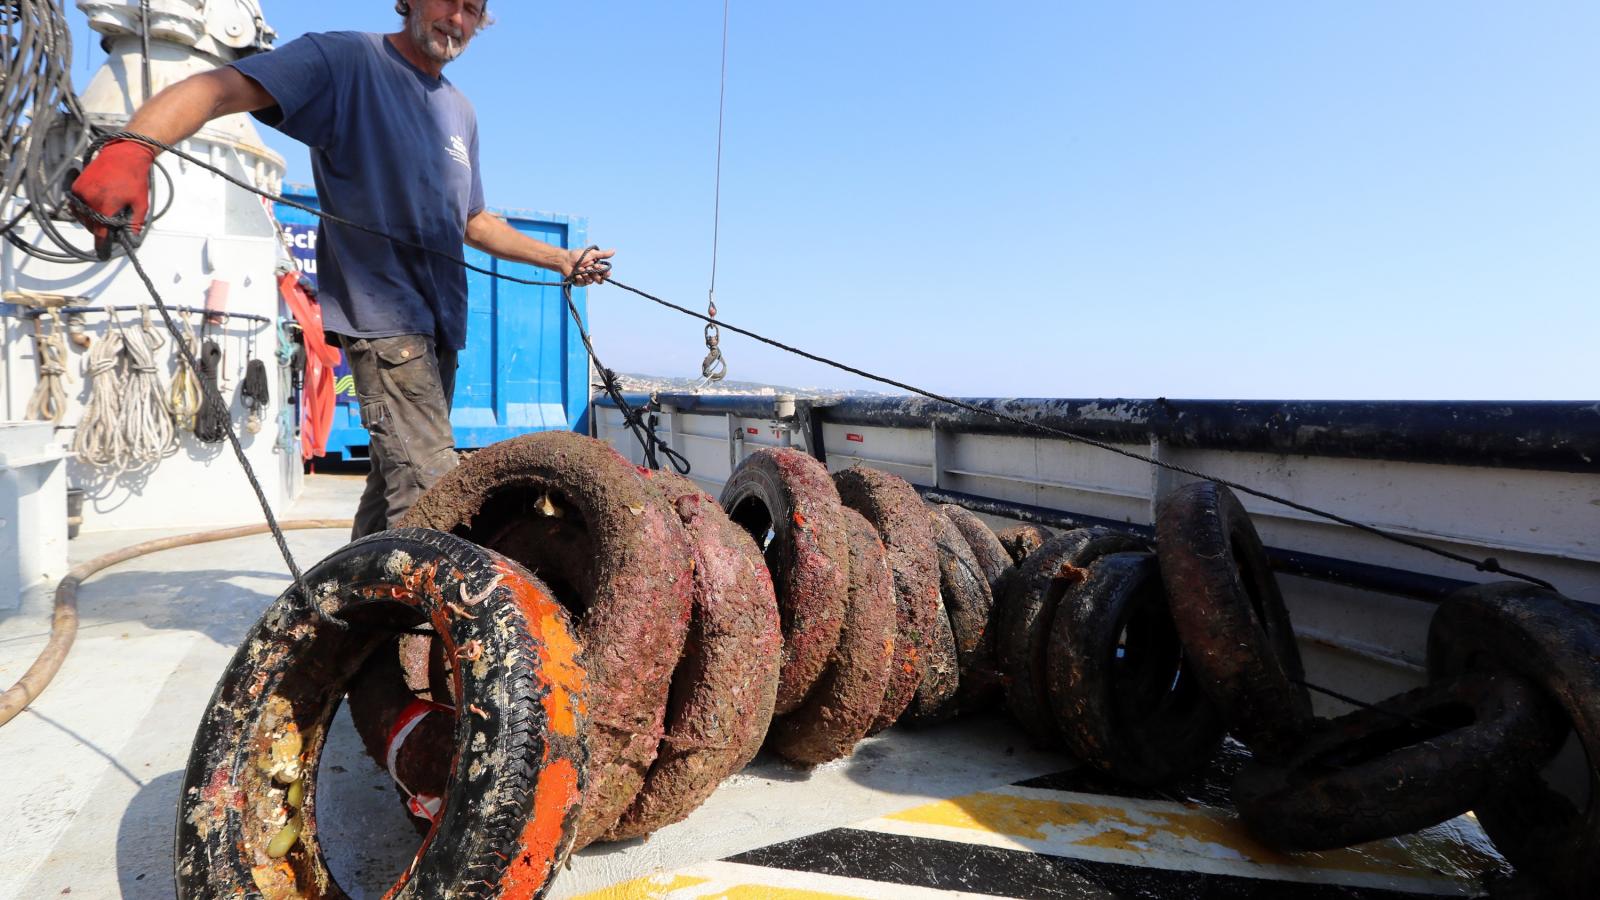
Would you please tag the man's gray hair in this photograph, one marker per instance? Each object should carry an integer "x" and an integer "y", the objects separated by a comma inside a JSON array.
[{"x": 403, "y": 8}]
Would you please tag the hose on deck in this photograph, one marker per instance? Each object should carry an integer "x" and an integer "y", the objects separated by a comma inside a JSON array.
[{"x": 64, "y": 620}]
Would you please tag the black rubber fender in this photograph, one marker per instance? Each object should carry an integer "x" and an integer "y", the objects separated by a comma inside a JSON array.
[
  {"x": 1124, "y": 697},
  {"x": 513, "y": 801},
  {"x": 1408, "y": 763},
  {"x": 1553, "y": 642},
  {"x": 1231, "y": 616}
]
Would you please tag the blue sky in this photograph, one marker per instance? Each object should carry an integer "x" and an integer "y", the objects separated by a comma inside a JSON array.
[{"x": 1255, "y": 200}]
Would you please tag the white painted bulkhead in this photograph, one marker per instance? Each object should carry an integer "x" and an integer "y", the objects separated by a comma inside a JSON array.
[{"x": 215, "y": 237}]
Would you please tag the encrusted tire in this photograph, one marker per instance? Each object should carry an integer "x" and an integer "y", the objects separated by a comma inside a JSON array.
[
  {"x": 1124, "y": 699},
  {"x": 789, "y": 494},
  {"x": 1022, "y": 629},
  {"x": 512, "y": 804},
  {"x": 723, "y": 691},
  {"x": 991, "y": 555},
  {"x": 1408, "y": 763},
  {"x": 1231, "y": 616},
  {"x": 892, "y": 506},
  {"x": 964, "y": 589},
  {"x": 845, "y": 702},
  {"x": 571, "y": 509},
  {"x": 938, "y": 696},
  {"x": 1554, "y": 643}
]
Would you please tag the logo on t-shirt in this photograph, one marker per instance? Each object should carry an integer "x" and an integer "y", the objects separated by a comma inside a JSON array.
[{"x": 458, "y": 151}]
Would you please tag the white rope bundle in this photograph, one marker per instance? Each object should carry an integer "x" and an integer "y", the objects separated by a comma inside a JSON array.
[
  {"x": 99, "y": 440},
  {"x": 185, "y": 396},
  {"x": 49, "y": 400},
  {"x": 146, "y": 417}
]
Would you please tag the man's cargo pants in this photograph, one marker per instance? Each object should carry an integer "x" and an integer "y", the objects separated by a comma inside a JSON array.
[{"x": 405, "y": 387}]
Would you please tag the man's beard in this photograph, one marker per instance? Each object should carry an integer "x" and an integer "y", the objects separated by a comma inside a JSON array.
[{"x": 436, "y": 46}]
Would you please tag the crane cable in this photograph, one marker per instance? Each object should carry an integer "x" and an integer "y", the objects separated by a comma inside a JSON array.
[{"x": 715, "y": 368}]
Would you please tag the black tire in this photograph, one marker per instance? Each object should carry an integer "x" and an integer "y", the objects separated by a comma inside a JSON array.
[
  {"x": 512, "y": 806},
  {"x": 1554, "y": 643},
  {"x": 892, "y": 506},
  {"x": 938, "y": 696},
  {"x": 1022, "y": 630},
  {"x": 789, "y": 494},
  {"x": 572, "y": 509},
  {"x": 964, "y": 588},
  {"x": 726, "y": 683},
  {"x": 845, "y": 703},
  {"x": 992, "y": 556},
  {"x": 1232, "y": 618},
  {"x": 1124, "y": 698},
  {"x": 1409, "y": 763}
]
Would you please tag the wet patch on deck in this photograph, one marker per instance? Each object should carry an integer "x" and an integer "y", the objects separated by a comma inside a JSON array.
[{"x": 1076, "y": 834}]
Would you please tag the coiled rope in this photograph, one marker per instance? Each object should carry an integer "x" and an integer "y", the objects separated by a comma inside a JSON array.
[
  {"x": 650, "y": 440},
  {"x": 185, "y": 395},
  {"x": 99, "y": 440},
  {"x": 212, "y": 424},
  {"x": 253, "y": 394},
  {"x": 146, "y": 418},
  {"x": 49, "y": 400}
]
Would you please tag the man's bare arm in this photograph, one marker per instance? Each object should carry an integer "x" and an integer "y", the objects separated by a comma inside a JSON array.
[
  {"x": 184, "y": 108},
  {"x": 490, "y": 233}
]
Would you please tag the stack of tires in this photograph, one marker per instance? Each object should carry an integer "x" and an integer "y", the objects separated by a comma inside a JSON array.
[{"x": 558, "y": 647}]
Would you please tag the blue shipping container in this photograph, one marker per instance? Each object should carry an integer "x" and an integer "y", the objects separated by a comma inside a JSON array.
[{"x": 524, "y": 368}]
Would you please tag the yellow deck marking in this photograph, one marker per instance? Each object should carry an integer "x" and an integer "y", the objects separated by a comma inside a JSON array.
[
  {"x": 769, "y": 892},
  {"x": 1180, "y": 836},
  {"x": 652, "y": 887}
]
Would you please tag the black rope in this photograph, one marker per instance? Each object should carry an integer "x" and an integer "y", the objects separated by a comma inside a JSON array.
[
  {"x": 212, "y": 424},
  {"x": 253, "y": 393},
  {"x": 649, "y": 439},
  {"x": 1488, "y": 564},
  {"x": 120, "y": 233}
]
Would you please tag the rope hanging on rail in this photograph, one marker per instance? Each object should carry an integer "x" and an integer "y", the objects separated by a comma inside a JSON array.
[
  {"x": 99, "y": 440},
  {"x": 49, "y": 400},
  {"x": 146, "y": 416},
  {"x": 211, "y": 424}
]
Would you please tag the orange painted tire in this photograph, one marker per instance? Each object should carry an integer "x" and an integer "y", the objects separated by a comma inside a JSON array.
[{"x": 513, "y": 797}]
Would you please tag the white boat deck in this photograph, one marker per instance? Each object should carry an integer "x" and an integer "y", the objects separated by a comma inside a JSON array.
[{"x": 92, "y": 773}]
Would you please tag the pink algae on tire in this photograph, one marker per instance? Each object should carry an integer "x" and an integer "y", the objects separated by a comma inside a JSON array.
[
  {"x": 845, "y": 702},
  {"x": 723, "y": 692},
  {"x": 894, "y": 509},
  {"x": 575, "y": 512},
  {"x": 788, "y": 495}
]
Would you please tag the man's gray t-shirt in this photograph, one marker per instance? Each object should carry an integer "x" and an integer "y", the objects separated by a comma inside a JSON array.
[{"x": 392, "y": 148}]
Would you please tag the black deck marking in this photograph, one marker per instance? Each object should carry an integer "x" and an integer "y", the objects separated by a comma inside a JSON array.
[
  {"x": 1209, "y": 787},
  {"x": 953, "y": 866}
]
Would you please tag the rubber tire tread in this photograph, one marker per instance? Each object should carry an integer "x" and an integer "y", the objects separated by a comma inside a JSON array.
[
  {"x": 1088, "y": 682},
  {"x": 808, "y": 557},
  {"x": 893, "y": 507},
  {"x": 636, "y": 611},
  {"x": 991, "y": 555},
  {"x": 1231, "y": 615},
  {"x": 845, "y": 703},
  {"x": 1022, "y": 629},
  {"x": 1309, "y": 803},
  {"x": 511, "y": 813},
  {"x": 1554, "y": 642},
  {"x": 727, "y": 681},
  {"x": 964, "y": 589}
]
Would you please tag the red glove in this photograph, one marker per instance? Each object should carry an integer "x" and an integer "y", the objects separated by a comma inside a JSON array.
[{"x": 117, "y": 181}]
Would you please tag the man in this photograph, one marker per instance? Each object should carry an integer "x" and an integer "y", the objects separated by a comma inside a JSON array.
[{"x": 394, "y": 147}]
